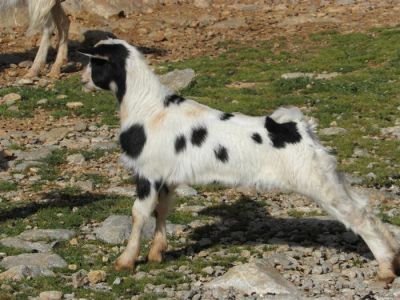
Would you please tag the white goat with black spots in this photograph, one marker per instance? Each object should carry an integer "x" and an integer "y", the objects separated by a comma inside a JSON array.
[
  {"x": 168, "y": 140},
  {"x": 43, "y": 15}
]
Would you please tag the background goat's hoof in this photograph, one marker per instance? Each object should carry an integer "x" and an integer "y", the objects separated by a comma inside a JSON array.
[
  {"x": 54, "y": 74},
  {"x": 31, "y": 74},
  {"x": 121, "y": 265},
  {"x": 155, "y": 257},
  {"x": 386, "y": 273}
]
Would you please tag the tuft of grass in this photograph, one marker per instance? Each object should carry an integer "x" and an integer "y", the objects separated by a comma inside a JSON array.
[{"x": 7, "y": 186}]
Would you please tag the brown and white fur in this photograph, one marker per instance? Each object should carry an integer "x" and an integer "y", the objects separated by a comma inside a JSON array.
[
  {"x": 169, "y": 140},
  {"x": 45, "y": 15}
]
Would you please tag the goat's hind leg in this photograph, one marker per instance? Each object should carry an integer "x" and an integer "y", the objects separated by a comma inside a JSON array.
[
  {"x": 350, "y": 209},
  {"x": 141, "y": 211},
  {"x": 159, "y": 244},
  {"x": 62, "y": 23}
]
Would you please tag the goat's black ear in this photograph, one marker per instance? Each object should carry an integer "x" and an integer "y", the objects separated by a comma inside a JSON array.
[{"x": 93, "y": 53}]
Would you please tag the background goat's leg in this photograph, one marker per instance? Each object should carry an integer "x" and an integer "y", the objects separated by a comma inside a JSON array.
[
  {"x": 41, "y": 55},
  {"x": 159, "y": 244},
  {"x": 62, "y": 23},
  {"x": 141, "y": 211}
]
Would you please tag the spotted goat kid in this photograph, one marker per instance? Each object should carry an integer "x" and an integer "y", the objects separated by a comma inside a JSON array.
[{"x": 168, "y": 140}]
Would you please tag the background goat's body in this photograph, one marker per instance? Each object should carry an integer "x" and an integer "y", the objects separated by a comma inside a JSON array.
[
  {"x": 44, "y": 15},
  {"x": 168, "y": 140}
]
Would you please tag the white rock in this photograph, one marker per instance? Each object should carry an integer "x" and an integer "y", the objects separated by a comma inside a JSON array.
[
  {"x": 178, "y": 79},
  {"x": 74, "y": 105},
  {"x": 258, "y": 278},
  {"x": 184, "y": 190},
  {"x": 50, "y": 295},
  {"x": 76, "y": 159},
  {"x": 45, "y": 260},
  {"x": 332, "y": 131}
]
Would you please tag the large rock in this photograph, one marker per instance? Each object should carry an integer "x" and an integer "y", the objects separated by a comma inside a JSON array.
[
  {"x": 18, "y": 273},
  {"x": 258, "y": 278},
  {"x": 44, "y": 260},
  {"x": 117, "y": 228},
  {"x": 35, "y": 155},
  {"x": 55, "y": 135},
  {"x": 178, "y": 79}
]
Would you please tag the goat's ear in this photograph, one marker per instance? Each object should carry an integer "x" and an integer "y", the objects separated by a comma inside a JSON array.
[{"x": 92, "y": 53}]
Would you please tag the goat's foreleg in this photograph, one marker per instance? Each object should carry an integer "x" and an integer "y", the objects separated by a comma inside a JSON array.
[
  {"x": 159, "y": 244},
  {"x": 62, "y": 23},
  {"x": 141, "y": 211},
  {"x": 41, "y": 55}
]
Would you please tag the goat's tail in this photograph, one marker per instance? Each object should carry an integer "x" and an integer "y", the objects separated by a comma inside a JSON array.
[{"x": 39, "y": 12}]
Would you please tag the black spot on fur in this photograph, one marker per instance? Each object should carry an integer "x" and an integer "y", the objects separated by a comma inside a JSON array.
[
  {"x": 143, "y": 187},
  {"x": 132, "y": 140},
  {"x": 180, "y": 143},
  {"x": 221, "y": 153},
  {"x": 161, "y": 188},
  {"x": 257, "y": 138},
  {"x": 282, "y": 133},
  {"x": 225, "y": 116},
  {"x": 111, "y": 69},
  {"x": 199, "y": 135},
  {"x": 173, "y": 99}
]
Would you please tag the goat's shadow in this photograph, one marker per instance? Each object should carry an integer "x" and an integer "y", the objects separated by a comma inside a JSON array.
[
  {"x": 246, "y": 222},
  {"x": 90, "y": 38}
]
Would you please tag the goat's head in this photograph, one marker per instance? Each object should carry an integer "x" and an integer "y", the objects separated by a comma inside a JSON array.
[{"x": 107, "y": 66}]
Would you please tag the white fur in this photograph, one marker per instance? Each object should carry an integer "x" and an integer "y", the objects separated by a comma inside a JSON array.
[{"x": 304, "y": 167}]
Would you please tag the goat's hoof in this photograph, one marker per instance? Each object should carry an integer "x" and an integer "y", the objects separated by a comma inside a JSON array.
[
  {"x": 30, "y": 74},
  {"x": 386, "y": 274},
  {"x": 121, "y": 265},
  {"x": 54, "y": 74},
  {"x": 155, "y": 257}
]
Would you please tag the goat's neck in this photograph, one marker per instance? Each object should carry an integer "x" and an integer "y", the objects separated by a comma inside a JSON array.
[{"x": 143, "y": 98}]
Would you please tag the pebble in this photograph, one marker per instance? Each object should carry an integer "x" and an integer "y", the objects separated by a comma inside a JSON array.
[
  {"x": 96, "y": 276},
  {"x": 74, "y": 105}
]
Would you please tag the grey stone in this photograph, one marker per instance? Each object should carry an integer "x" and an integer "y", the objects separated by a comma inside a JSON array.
[
  {"x": 202, "y": 3},
  {"x": 123, "y": 191},
  {"x": 17, "y": 243},
  {"x": 391, "y": 131},
  {"x": 12, "y": 97},
  {"x": 35, "y": 155},
  {"x": 85, "y": 185},
  {"x": 79, "y": 278},
  {"x": 45, "y": 260},
  {"x": 80, "y": 126},
  {"x": 50, "y": 295},
  {"x": 178, "y": 79},
  {"x": 332, "y": 131},
  {"x": 55, "y": 135},
  {"x": 47, "y": 234},
  {"x": 42, "y": 101},
  {"x": 231, "y": 23},
  {"x": 20, "y": 272},
  {"x": 257, "y": 277},
  {"x": 184, "y": 190},
  {"x": 111, "y": 146},
  {"x": 26, "y": 165},
  {"x": 76, "y": 159}
]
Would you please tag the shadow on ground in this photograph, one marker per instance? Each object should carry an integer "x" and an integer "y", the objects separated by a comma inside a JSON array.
[
  {"x": 246, "y": 222},
  {"x": 91, "y": 38}
]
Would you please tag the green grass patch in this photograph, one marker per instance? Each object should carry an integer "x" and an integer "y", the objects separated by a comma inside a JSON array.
[{"x": 7, "y": 186}]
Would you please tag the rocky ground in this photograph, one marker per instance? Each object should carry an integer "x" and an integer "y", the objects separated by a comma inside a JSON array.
[{"x": 65, "y": 199}]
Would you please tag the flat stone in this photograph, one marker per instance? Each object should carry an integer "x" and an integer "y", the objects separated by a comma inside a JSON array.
[
  {"x": 332, "y": 131},
  {"x": 35, "y": 155},
  {"x": 202, "y": 3},
  {"x": 44, "y": 260},
  {"x": 76, "y": 159},
  {"x": 79, "y": 278},
  {"x": 17, "y": 243},
  {"x": 47, "y": 234},
  {"x": 18, "y": 273},
  {"x": 122, "y": 191},
  {"x": 42, "y": 101},
  {"x": 178, "y": 79},
  {"x": 392, "y": 131},
  {"x": 231, "y": 23},
  {"x": 50, "y": 295},
  {"x": 321, "y": 76},
  {"x": 11, "y": 97},
  {"x": 117, "y": 228},
  {"x": 55, "y": 135},
  {"x": 184, "y": 190},
  {"x": 74, "y": 105},
  {"x": 257, "y": 277},
  {"x": 26, "y": 165},
  {"x": 85, "y": 185},
  {"x": 111, "y": 146}
]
